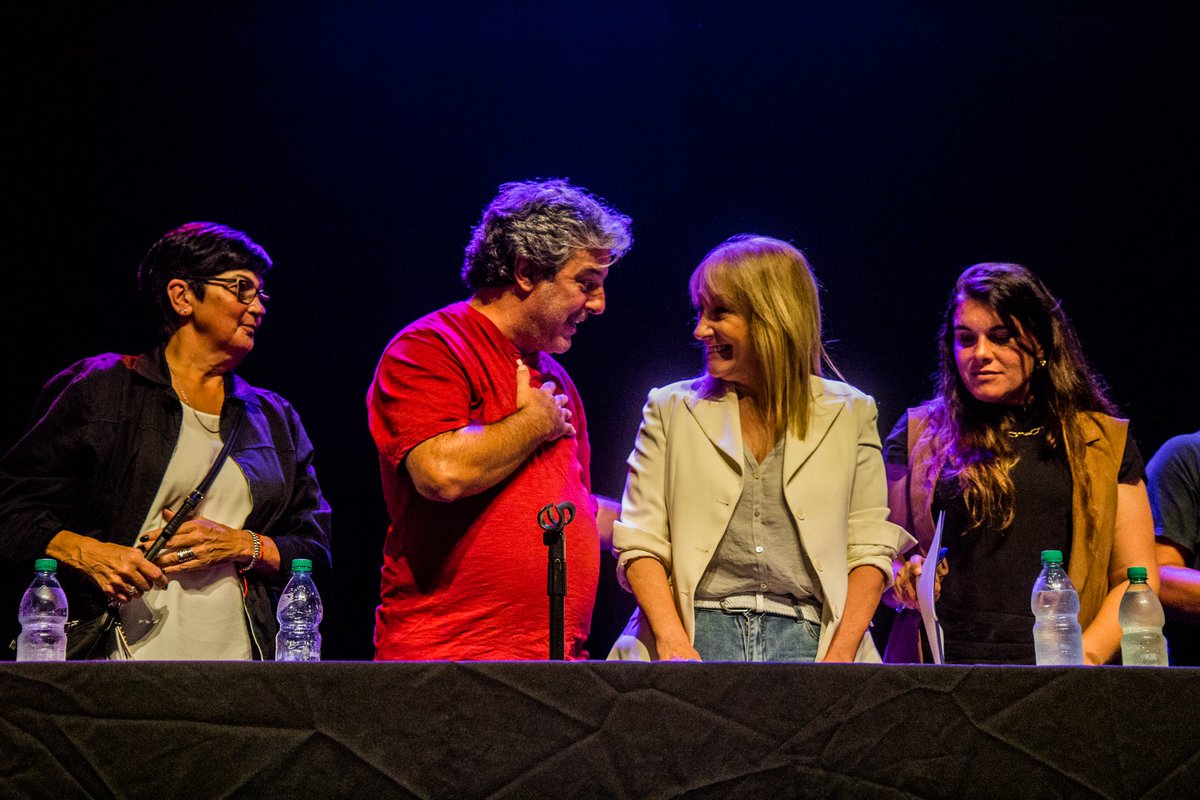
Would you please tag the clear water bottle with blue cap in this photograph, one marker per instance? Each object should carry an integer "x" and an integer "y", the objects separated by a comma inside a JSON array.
[
  {"x": 43, "y": 616},
  {"x": 299, "y": 615},
  {"x": 1057, "y": 637}
]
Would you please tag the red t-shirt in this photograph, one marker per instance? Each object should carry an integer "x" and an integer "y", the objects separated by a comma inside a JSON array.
[{"x": 467, "y": 580}]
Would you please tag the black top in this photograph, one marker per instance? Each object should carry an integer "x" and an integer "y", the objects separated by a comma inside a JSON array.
[{"x": 984, "y": 604}]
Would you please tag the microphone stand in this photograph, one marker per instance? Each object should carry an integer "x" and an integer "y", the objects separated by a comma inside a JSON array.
[{"x": 552, "y": 519}]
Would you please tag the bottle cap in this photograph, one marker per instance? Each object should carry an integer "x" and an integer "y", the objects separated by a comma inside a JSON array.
[
  {"x": 45, "y": 565},
  {"x": 301, "y": 565},
  {"x": 1052, "y": 557},
  {"x": 1136, "y": 574}
]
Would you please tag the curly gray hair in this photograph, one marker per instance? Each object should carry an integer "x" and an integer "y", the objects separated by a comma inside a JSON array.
[{"x": 544, "y": 223}]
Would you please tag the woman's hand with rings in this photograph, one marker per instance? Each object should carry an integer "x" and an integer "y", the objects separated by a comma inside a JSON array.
[
  {"x": 198, "y": 544},
  {"x": 121, "y": 573}
]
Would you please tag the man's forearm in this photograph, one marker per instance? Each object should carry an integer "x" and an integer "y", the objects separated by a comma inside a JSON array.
[
  {"x": 1180, "y": 593},
  {"x": 473, "y": 459}
]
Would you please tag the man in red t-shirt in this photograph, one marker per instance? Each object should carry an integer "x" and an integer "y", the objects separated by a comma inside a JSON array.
[{"x": 478, "y": 428}]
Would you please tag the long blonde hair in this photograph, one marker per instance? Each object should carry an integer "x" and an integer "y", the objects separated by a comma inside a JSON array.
[{"x": 768, "y": 282}]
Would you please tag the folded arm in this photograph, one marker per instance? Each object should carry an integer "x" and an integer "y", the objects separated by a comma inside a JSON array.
[{"x": 470, "y": 460}]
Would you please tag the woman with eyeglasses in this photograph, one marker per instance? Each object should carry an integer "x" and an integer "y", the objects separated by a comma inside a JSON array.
[{"x": 118, "y": 442}]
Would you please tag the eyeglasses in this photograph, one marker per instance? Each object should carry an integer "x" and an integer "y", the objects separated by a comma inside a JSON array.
[{"x": 245, "y": 289}]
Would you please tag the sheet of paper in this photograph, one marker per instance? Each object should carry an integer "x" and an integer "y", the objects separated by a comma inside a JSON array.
[{"x": 925, "y": 587}]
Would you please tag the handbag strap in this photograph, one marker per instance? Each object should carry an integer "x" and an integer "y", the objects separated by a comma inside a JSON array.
[
  {"x": 230, "y": 440},
  {"x": 192, "y": 500}
]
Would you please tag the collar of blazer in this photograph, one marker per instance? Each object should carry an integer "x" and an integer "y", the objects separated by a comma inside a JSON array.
[{"x": 719, "y": 420}]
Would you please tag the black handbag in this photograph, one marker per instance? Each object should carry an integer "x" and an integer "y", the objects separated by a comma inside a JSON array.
[{"x": 84, "y": 637}]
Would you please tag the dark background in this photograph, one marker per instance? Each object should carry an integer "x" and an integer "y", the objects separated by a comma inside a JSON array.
[{"x": 894, "y": 143}]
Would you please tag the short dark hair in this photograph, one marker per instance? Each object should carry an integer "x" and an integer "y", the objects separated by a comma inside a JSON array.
[
  {"x": 544, "y": 223},
  {"x": 194, "y": 252}
]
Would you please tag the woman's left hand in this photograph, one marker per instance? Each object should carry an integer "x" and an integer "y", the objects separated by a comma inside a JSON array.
[{"x": 199, "y": 543}]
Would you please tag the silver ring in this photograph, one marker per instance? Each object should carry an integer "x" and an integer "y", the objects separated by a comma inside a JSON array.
[{"x": 184, "y": 554}]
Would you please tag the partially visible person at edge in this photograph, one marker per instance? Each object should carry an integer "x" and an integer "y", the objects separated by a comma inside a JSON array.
[
  {"x": 1175, "y": 501},
  {"x": 754, "y": 521},
  {"x": 1023, "y": 452},
  {"x": 118, "y": 442},
  {"x": 478, "y": 427}
]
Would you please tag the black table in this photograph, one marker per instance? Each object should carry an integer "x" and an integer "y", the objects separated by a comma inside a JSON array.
[{"x": 362, "y": 730}]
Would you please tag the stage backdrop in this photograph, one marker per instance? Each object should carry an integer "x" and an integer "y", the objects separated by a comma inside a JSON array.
[{"x": 358, "y": 143}]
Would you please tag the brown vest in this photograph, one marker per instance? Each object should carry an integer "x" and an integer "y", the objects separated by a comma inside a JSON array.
[{"x": 1094, "y": 523}]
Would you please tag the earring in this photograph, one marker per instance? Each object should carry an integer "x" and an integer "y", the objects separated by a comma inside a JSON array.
[{"x": 1041, "y": 362}]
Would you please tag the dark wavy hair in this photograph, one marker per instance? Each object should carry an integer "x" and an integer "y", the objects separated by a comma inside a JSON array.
[
  {"x": 194, "y": 252},
  {"x": 544, "y": 223},
  {"x": 967, "y": 437}
]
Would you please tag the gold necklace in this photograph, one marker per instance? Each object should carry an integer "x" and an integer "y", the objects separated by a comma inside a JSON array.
[
  {"x": 1022, "y": 434},
  {"x": 188, "y": 403}
]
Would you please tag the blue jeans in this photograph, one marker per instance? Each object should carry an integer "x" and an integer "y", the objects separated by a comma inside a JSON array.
[{"x": 754, "y": 636}]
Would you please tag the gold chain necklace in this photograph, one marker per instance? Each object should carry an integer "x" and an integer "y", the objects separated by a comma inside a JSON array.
[
  {"x": 188, "y": 403},
  {"x": 1022, "y": 434}
]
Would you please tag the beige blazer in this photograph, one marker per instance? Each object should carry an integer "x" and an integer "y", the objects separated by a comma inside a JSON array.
[{"x": 685, "y": 478}]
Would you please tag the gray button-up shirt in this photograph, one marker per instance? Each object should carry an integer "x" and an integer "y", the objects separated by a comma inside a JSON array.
[{"x": 760, "y": 551}]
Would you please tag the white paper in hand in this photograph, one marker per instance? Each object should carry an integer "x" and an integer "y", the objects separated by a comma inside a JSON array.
[{"x": 925, "y": 591}]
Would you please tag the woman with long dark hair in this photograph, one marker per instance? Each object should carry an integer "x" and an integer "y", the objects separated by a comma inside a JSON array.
[{"x": 1022, "y": 450}]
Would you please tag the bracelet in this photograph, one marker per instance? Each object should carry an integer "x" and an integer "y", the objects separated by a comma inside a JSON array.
[{"x": 254, "y": 555}]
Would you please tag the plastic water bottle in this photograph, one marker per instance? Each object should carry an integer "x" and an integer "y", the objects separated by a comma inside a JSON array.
[
  {"x": 299, "y": 616},
  {"x": 1141, "y": 617},
  {"x": 43, "y": 616},
  {"x": 1057, "y": 637}
]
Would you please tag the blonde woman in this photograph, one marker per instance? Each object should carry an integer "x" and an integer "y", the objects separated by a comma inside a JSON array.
[{"x": 754, "y": 521}]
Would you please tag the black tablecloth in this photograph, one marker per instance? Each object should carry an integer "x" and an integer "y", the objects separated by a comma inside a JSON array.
[{"x": 218, "y": 730}]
